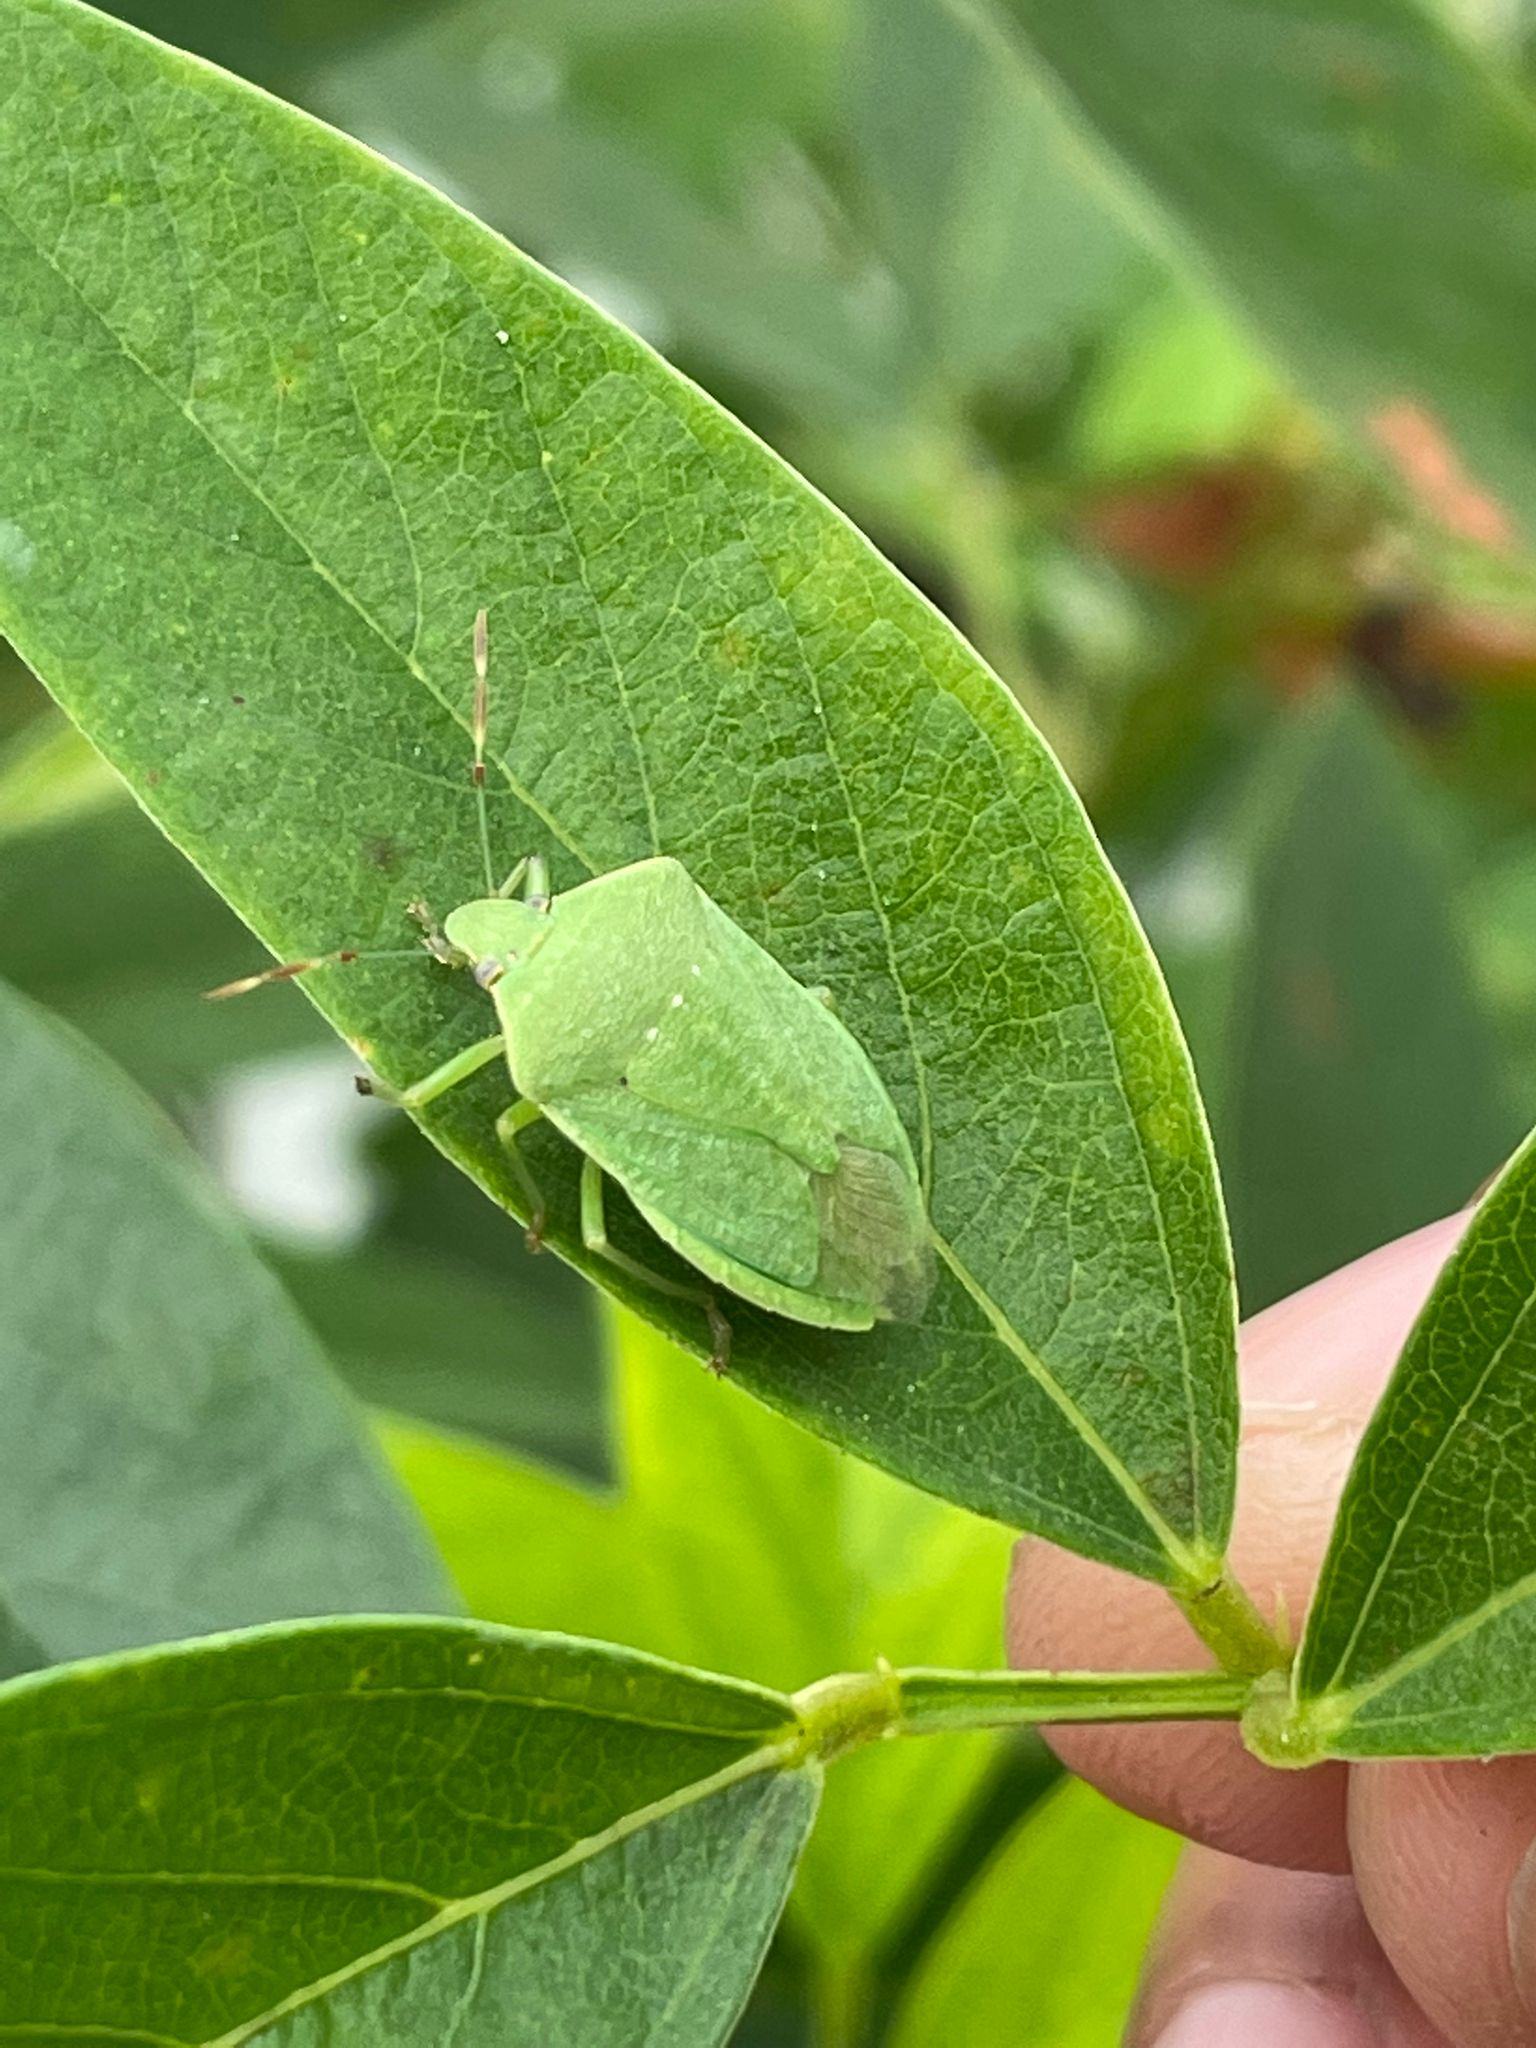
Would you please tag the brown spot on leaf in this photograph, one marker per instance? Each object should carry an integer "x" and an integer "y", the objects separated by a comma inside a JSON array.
[
  {"x": 1428, "y": 462},
  {"x": 1316, "y": 1010}
]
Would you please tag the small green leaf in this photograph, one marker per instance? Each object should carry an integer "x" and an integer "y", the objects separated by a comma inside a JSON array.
[
  {"x": 736, "y": 1542},
  {"x": 177, "y": 1456},
  {"x": 413, "y": 1832},
  {"x": 335, "y": 416},
  {"x": 976, "y": 189},
  {"x": 1421, "y": 1640},
  {"x": 1356, "y": 182},
  {"x": 1044, "y": 1949}
]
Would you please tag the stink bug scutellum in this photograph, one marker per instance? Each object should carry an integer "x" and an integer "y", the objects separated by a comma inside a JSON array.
[{"x": 742, "y": 1118}]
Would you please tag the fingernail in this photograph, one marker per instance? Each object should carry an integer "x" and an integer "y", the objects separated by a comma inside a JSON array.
[{"x": 1276, "y": 2015}]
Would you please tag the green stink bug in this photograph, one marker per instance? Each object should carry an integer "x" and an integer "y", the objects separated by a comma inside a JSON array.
[{"x": 739, "y": 1114}]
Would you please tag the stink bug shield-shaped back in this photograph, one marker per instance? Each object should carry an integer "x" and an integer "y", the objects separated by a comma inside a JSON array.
[{"x": 742, "y": 1118}]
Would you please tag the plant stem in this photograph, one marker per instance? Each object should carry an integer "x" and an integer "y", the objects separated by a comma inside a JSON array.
[
  {"x": 1227, "y": 1622},
  {"x": 856, "y": 1707},
  {"x": 935, "y": 1700}
]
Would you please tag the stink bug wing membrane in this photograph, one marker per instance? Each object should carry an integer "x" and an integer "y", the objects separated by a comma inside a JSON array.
[{"x": 874, "y": 1233}]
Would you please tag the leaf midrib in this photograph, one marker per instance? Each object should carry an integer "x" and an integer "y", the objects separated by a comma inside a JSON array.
[
  {"x": 784, "y": 1755},
  {"x": 1180, "y": 1554}
]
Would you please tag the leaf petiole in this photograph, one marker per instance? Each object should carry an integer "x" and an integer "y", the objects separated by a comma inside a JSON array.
[{"x": 856, "y": 1707}]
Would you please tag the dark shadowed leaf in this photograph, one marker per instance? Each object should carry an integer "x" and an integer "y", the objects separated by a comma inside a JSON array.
[
  {"x": 1318, "y": 952},
  {"x": 365, "y": 1832},
  {"x": 177, "y": 1455},
  {"x": 337, "y": 415}
]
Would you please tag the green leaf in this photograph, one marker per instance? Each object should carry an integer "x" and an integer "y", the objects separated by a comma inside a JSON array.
[
  {"x": 1176, "y": 384},
  {"x": 1359, "y": 185},
  {"x": 734, "y": 1541},
  {"x": 356, "y": 1832},
  {"x": 1045, "y": 1948},
  {"x": 1350, "y": 1063},
  {"x": 177, "y": 1456},
  {"x": 376, "y": 416},
  {"x": 977, "y": 192},
  {"x": 1421, "y": 1639}
]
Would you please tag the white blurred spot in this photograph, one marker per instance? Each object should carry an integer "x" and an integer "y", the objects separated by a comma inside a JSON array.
[
  {"x": 16, "y": 552},
  {"x": 516, "y": 78},
  {"x": 287, "y": 1143},
  {"x": 1197, "y": 897}
]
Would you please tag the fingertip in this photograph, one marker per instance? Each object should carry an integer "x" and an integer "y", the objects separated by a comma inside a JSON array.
[
  {"x": 1249, "y": 1957},
  {"x": 1443, "y": 1856}
]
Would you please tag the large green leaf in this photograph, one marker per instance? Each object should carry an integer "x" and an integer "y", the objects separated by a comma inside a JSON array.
[
  {"x": 735, "y": 1541},
  {"x": 283, "y": 418},
  {"x": 176, "y": 1454},
  {"x": 358, "y": 1832},
  {"x": 1421, "y": 1638},
  {"x": 1359, "y": 184}
]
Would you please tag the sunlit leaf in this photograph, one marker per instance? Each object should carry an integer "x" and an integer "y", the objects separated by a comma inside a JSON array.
[{"x": 1044, "y": 1949}]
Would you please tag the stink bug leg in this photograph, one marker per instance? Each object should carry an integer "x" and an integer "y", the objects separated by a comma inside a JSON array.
[
  {"x": 513, "y": 1120},
  {"x": 594, "y": 1235}
]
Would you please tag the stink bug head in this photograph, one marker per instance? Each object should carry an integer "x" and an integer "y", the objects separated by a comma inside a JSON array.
[{"x": 496, "y": 937}]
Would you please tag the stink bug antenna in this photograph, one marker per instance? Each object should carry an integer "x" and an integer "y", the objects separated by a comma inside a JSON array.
[
  {"x": 288, "y": 969},
  {"x": 480, "y": 720}
]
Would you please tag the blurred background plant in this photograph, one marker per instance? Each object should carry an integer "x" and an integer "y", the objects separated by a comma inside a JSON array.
[{"x": 1296, "y": 690}]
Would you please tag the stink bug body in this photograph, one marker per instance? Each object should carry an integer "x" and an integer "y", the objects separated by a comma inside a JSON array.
[{"x": 743, "y": 1119}]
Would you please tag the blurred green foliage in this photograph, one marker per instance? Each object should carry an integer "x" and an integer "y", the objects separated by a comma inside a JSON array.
[{"x": 1301, "y": 712}]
